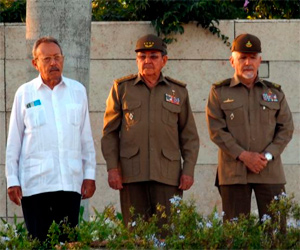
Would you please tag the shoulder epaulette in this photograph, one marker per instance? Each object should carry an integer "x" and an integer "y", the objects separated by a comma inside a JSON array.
[
  {"x": 272, "y": 84},
  {"x": 182, "y": 84},
  {"x": 126, "y": 78},
  {"x": 222, "y": 83}
]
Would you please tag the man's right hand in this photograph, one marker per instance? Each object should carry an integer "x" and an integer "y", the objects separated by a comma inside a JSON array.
[
  {"x": 254, "y": 161},
  {"x": 15, "y": 194},
  {"x": 115, "y": 179}
]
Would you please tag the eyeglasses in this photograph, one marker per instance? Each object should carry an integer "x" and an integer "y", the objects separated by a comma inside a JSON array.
[
  {"x": 48, "y": 59},
  {"x": 153, "y": 57}
]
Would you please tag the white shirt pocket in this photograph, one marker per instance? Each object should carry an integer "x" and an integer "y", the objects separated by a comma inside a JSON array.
[
  {"x": 74, "y": 114},
  {"x": 35, "y": 117}
]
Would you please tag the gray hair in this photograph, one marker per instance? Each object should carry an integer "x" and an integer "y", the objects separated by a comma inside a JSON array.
[{"x": 44, "y": 39}]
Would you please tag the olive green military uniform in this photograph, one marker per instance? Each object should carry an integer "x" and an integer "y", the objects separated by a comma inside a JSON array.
[
  {"x": 147, "y": 132},
  {"x": 257, "y": 120},
  {"x": 248, "y": 118}
]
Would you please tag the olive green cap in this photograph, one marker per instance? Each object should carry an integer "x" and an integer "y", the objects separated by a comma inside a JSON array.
[
  {"x": 246, "y": 43},
  {"x": 150, "y": 42}
]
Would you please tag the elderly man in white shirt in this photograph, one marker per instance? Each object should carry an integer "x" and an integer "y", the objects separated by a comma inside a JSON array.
[{"x": 50, "y": 156}]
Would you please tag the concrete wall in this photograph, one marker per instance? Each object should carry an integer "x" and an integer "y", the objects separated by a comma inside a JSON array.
[{"x": 197, "y": 58}]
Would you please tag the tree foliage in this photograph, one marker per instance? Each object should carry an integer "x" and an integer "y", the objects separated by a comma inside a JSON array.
[{"x": 169, "y": 16}]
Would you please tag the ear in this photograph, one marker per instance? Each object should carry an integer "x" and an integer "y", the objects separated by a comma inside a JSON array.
[
  {"x": 231, "y": 60},
  {"x": 34, "y": 64},
  {"x": 165, "y": 59}
]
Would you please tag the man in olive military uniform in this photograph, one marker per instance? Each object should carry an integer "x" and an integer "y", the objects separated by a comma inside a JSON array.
[
  {"x": 150, "y": 140},
  {"x": 250, "y": 121}
]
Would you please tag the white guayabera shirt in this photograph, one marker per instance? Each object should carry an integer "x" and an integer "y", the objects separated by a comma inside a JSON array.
[{"x": 50, "y": 145}]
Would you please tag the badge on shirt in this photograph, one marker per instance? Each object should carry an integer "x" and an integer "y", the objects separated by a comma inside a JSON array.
[
  {"x": 228, "y": 100},
  {"x": 269, "y": 97},
  {"x": 172, "y": 98},
  {"x": 33, "y": 104}
]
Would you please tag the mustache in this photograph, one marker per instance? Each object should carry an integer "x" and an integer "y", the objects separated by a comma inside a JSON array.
[
  {"x": 54, "y": 69},
  {"x": 248, "y": 67}
]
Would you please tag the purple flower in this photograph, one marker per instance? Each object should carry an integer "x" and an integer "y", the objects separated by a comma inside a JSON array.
[{"x": 246, "y": 3}]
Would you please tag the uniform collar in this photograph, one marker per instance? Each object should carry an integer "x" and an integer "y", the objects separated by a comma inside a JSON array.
[
  {"x": 236, "y": 81},
  {"x": 161, "y": 79},
  {"x": 39, "y": 82}
]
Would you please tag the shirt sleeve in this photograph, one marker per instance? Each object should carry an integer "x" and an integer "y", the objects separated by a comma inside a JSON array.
[
  {"x": 87, "y": 146},
  {"x": 14, "y": 142},
  {"x": 189, "y": 139},
  {"x": 284, "y": 130},
  {"x": 217, "y": 127},
  {"x": 112, "y": 122}
]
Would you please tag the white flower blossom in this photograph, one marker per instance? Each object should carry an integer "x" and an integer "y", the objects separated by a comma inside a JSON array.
[
  {"x": 276, "y": 198},
  {"x": 265, "y": 218},
  {"x": 200, "y": 224},
  {"x": 283, "y": 194},
  {"x": 175, "y": 200},
  {"x": 178, "y": 211},
  {"x": 208, "y": 225},
  {"x": 181, "y": 237},
  {"x": 223, "y": 213},
  {"x": 133, "y": 224}
]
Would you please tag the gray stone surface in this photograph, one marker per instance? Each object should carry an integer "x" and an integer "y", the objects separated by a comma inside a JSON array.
[
  {"x": 2, "y": 137},
  {"x": 16, "y": 75},
  {"x": 2, "y": 47},
  {"x": 2, "y": 191},
  {"x": 2, "y": 94},
  {"x": 15, "y": 42}
]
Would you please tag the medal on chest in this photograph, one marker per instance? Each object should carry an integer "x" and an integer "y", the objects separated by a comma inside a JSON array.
[
  {"x": 269, "y": 96},
  {"x": 172, "y": 98}
]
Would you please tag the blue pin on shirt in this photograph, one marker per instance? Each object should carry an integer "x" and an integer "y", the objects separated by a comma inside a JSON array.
[{"x": 33, "y": 104}]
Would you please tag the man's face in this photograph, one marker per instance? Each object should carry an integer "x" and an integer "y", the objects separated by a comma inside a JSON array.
[
  {"x": 49, "y": 62},
  {"x": 150, "y": 62},
  {"x": 246, "y": 65}
]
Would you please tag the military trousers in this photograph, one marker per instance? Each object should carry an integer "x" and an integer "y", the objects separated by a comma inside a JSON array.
[
  {"x": 144, "y": 197},
  {"x": 236, "y": 199}
]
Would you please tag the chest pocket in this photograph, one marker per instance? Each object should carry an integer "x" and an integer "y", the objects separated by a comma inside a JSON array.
[
  {"x": 170, "y": 113},
  {"x": 234, "y": 113},
  {"x": 131, "y": 112},
  {"x": 74, "y": 114},
  {"x": 35, "y": 117},
  {"x": 268, "y": 112}
]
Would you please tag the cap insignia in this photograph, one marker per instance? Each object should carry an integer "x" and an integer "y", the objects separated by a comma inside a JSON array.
[
  {"x": 248, "y": 44},
  {"x": 148, "y": 44}
]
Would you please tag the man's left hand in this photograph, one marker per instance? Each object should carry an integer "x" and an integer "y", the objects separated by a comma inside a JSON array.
[
  {"x": 88, "y": 188},
  {"x": 186, "y": 182}
]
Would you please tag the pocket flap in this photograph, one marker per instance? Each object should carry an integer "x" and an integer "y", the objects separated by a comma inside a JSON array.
[
  {"x": 270, "y": 105},
  {"x": 231, "y": 105},
  {"x": 173, "y": 155},
  {"x": 131, "y": 105},
  {"x": 171, "y": 107},
  {"x": 129, "y": 152}
]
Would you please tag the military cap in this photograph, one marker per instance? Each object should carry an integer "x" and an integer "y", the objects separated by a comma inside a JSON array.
[
  {"x": 151, "y": 42},
  {"x": 246, "y": 43}
]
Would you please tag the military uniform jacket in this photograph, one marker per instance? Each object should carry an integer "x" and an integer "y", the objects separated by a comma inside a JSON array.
[
  {"x": 147, "y": 133},
  {"x": 257, "y": 120}
]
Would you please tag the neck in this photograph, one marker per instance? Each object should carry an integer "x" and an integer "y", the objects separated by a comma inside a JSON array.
[
  {"x": 151, "y": 81},
  {"x": 52, "y": 83}
]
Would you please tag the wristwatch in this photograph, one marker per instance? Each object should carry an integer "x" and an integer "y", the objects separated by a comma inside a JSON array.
[{"x": 268, "y": 156}]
